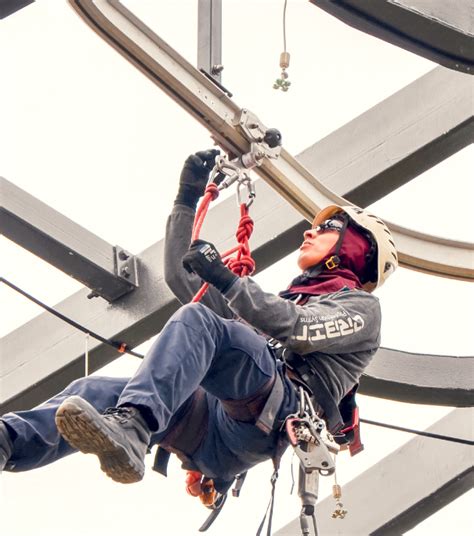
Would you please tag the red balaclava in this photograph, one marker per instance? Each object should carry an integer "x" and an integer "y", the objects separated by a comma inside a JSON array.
[{"x": 352, "y": 268}]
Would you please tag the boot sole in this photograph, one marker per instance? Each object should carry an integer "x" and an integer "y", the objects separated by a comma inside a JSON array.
[{"x": 81, "y": 432}]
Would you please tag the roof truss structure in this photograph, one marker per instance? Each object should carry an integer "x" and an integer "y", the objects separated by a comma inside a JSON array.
[{"x": 435, "y": 125}]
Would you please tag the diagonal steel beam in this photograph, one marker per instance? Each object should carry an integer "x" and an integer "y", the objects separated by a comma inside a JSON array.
[
  {"x": 109, "y": 271},
  {"x": 210, "y": 106},
  {"x": 8, "y": 7},
  {"x": 396, "y": 140},
  {"x": 438, "y": 30},
  {"x": 420, "y": 378},
  {"x": 406, "y": 487}
]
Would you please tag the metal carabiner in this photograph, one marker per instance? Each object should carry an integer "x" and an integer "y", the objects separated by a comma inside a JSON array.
[
  {"x": 226, "y": 168},
  {"x": 248, "y": 183},
  {"x": 309, "y": 405},
  {"x": 302, "y": 409}
]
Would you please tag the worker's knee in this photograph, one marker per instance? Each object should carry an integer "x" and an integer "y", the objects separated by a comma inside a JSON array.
[
  {"x": 92, "y": 387},
  {"x": 193, "y": 312},
  {"x": 81, "y": 385}
]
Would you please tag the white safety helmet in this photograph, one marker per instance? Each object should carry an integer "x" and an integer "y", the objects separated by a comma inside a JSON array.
[{"x": 387, "y": 258}]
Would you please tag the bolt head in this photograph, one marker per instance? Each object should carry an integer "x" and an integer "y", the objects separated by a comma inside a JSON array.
[{"x": 217, "y": 69}]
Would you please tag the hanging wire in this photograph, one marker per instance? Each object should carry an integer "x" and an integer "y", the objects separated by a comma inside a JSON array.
[
  {"x": 283, "y": 83},
  {"x": 123, "y": 348},
  {"x": 419, "y": 432},
  {"x": 120, "y": 346},
  {"x": 284, "y": 26},
  {"x": 86, "y": 356}
]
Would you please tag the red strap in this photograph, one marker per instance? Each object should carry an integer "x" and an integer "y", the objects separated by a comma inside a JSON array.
[
  {"x": 200, "y": 486},
  {"x": 193, "y": 483},
  {"x": 355, "y": 446}
]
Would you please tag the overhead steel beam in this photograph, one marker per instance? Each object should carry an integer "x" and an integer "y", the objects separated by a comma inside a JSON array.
[
  {"x": 210, "y": 38},
  {"x": 420, "y": 379},
  {"x": 8, "y": 7},
  {"x": 404, "y": 488},
  {"x": 397, "y": 139},
  {"x": 439, "y": 30},
  {"x": 30, "y": 373},
  {"x": 209, "y": 105},
  {"x": 109, "y": 271}
]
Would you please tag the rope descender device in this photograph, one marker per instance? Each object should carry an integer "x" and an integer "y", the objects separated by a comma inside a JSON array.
[
  {"x": 305, "y": 433},
  {"x": 264, "y": 143}
]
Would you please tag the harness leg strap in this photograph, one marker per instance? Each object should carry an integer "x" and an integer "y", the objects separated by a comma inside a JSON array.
[{"x": 267, "y": 417}]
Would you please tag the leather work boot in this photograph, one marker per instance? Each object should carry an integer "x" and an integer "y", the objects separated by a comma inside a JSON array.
[
  {"x": 6, "y": 446},
  {"x": 119, "y": 437}
]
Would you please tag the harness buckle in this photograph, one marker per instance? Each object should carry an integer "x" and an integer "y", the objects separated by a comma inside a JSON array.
[{"x": 332, "y": 262}]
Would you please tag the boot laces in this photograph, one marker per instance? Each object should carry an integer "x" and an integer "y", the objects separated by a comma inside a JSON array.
[{"x": 121, "y": 415}]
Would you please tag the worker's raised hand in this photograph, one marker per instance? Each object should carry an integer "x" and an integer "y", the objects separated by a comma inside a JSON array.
[
  {"x": 194, "y": 177},
  {"x": 203, "y": 259}
]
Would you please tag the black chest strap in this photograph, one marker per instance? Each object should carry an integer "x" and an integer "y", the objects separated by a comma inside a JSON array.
[{"x": 320, "y": 392}]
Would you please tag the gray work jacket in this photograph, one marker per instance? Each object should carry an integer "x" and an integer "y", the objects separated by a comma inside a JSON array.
[{"x": 339, "y": 332}]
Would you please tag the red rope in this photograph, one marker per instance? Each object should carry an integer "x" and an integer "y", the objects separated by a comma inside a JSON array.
[
  {"x": 242, "y": 264},
  {"x": 210, "y": 194}
]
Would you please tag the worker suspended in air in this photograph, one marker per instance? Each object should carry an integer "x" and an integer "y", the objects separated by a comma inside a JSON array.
[{"x": 224, "y": 374}]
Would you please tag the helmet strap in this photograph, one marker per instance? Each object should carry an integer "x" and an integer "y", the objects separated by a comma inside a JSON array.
[{"x": 333, "y": 261}]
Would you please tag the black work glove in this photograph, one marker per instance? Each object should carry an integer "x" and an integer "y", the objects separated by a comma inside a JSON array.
[
  {"x": 203, "y": 259},
  {"x": 194, "y": 177}
]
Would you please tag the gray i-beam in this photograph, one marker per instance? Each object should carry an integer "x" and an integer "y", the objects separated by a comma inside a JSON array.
[
  {"x": 396, "y": 140},
  {"x": 439, "y": 30},
  {"x": 8, "y": 7},
  {"x": 109, "y": 271},
  {"x": 406, "y": 487},
  {"x": 210, "y": 38}
]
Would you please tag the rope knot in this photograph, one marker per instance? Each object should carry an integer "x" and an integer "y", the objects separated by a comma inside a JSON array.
[
  {"x": 243, "y": 266},
  {"x": 245, "y": 228},
  {"x": 213, "y": 190}
]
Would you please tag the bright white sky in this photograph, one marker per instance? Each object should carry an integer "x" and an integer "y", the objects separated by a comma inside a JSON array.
[{"x": 89, "y": 135}]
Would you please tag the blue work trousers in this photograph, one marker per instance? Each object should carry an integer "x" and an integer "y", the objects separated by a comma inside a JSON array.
[{"x": 195, "y": 348}]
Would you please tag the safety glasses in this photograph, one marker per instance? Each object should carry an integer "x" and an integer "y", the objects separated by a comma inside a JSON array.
[{"x": 332, "y": 224}]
